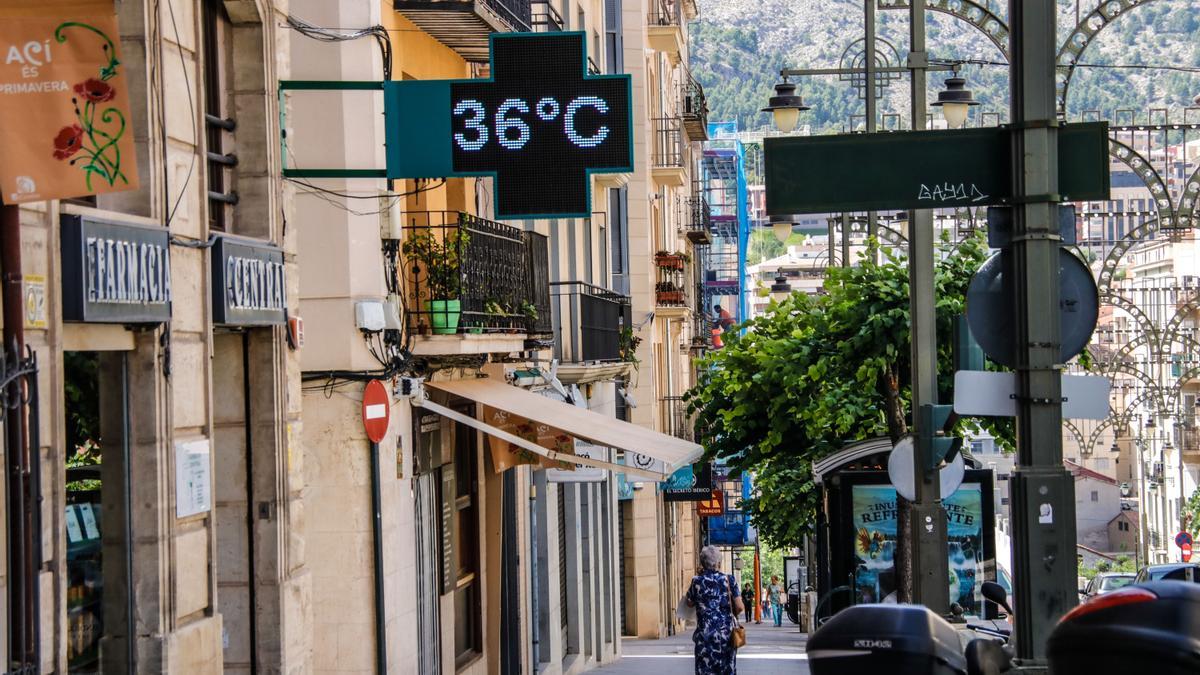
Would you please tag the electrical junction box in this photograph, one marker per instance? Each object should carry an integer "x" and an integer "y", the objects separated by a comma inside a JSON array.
[{"x": 369, "y": 316}]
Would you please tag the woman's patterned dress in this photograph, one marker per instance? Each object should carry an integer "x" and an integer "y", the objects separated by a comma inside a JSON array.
[{"x": 712, "y": 593}]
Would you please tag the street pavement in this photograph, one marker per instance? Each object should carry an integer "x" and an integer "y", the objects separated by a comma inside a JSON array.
[{"x": 768, "y": 651}]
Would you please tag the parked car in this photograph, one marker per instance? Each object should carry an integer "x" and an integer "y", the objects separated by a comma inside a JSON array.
[
  {"x": 1107, "y": 582},
  {"x": 1170, "y": 571}
]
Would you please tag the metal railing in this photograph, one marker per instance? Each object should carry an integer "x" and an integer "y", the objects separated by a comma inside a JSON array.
[
  {"x": 665, "y": 13},
  {"x": 698, "y": 215},
  {"x": 693, "y": 103},
  {"x": 588, "y": 322},
  {"x": 517, "y": 13},
  {"x": 498, "y": 274},
  {"x": 593, "y": 68},
  {"x": 668, "y": 143},
  {"x": 545, "y": 18},
  {"x": 676, "y": 420}
]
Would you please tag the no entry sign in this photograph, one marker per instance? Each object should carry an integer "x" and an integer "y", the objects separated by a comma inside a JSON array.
[{"x": 376, "y": 411}]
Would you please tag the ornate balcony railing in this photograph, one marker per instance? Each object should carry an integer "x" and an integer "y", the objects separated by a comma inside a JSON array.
[
  {"x": 668, "y": 143},
  {"x": 588, "y": 322},
  {"x": 498, "y": 275}
]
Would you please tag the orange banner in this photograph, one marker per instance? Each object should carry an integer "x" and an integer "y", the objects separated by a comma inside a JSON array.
[
  {"x": 505, "y": 455},
  {"x": 64, "y": 102}
]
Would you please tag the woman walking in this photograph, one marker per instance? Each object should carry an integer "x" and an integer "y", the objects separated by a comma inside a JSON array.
[
  {"x": 748, "y": 600},
  {"x": 718, "y": 602}
]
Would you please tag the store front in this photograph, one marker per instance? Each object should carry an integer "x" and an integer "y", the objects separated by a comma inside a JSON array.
[
  {"x": 248, "y": 303},
  {"x": 116, "y": 279}
]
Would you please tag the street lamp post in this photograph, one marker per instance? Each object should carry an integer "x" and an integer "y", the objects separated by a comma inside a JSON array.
[{"x": 781, "y": 289}]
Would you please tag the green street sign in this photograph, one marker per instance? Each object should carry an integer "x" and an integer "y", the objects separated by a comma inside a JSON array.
[{"x": 921, "y": 169}]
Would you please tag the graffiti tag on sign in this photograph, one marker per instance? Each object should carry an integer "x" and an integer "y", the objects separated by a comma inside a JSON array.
[{"x": 951, "y": 192}]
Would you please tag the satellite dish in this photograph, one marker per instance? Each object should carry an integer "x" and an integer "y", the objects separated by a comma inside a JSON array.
[
  {"x": 990, "y": 305},
  {"x": 900, "y": 471}
]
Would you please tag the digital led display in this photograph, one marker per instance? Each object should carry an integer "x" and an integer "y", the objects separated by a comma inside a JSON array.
[{"x": 540, "y": 125}]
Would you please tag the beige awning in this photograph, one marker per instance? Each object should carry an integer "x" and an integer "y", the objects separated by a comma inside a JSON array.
[{"x": 579, "y": 422}]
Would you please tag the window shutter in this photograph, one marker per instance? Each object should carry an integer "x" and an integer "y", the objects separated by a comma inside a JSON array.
[{"x": 449, "y": 533}]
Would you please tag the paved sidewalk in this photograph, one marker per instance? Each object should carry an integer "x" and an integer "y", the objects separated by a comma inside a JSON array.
[{"x": 768, "y": 651}]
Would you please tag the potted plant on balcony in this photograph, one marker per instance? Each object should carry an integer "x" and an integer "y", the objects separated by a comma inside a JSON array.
[
  {"x": 668, "y": 261},
  {"x": 442, "y": 259}
]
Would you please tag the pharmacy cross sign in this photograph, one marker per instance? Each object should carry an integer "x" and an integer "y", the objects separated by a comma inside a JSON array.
[{"x": 540, "y": 125}]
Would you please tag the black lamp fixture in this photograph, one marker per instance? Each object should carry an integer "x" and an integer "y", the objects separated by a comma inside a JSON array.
[
  {"x": 955, "y": 101},
  {"x": 781, "y": 289},
  {"x": 785, "y": 106}
]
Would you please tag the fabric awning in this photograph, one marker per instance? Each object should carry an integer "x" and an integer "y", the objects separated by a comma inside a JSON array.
[{"x": 579, "y": 422}]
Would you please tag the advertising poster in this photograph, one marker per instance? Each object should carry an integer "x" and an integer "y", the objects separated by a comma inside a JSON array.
[
  {"x": 874, "y": 512},
  {"x": 505, "y": 455},
  {"x": 64, "y": 101}
]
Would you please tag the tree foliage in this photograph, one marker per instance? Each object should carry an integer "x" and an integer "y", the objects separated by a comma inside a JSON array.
[{"x": 817, "y": 372}]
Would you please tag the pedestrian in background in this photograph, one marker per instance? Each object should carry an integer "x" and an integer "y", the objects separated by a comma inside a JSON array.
[
  {"x": 748, "y": 600},
  {"x": 718, "y": 602},
  {"x": 774, "y": 596}
]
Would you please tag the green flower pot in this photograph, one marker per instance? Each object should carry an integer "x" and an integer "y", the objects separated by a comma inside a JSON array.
[{"x": 444, "y": 315}]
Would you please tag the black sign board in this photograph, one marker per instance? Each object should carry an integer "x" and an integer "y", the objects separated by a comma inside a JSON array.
[
  {"x": 921, "y": 169},
  {"x": 541, "y": 125},
  {"x": 248, "y": 286},
  {"x": 115, "y": 272}
]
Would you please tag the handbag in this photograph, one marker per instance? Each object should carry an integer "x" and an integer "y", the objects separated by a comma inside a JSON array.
[{"x": 737, "y": 636}]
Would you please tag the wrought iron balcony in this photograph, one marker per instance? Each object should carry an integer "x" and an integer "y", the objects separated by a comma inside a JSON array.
[
  {"x": 589, "y": 321},
  {"x": 545, "y": 18},
  {"x": 667, "y": 156},
  {"x": 676, "y": 420},
  {"x": 464, "y": 25},
  {"x": 466, "y": 275},
  {"x": 694, "y": 108},
  {"x": 698, "y": 219},
  {"x": 665, "y": 13}
]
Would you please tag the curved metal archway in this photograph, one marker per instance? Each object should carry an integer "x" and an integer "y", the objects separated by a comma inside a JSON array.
[
  {"x": 1082, "y": 36},
  {"x": 988, "y": 22}
]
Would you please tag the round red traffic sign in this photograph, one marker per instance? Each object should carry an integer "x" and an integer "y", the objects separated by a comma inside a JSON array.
[
  {"x": 1187, "y": 552},
  {"x": 376, "y": 411}
]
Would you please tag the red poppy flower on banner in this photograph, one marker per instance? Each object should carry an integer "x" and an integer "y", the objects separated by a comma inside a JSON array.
[
  {"x": 96, "y": 91},
  {"x": 68, "y": 141}
]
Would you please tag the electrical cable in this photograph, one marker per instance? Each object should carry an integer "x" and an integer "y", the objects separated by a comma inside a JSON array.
[{"x": 191, "y": 107}]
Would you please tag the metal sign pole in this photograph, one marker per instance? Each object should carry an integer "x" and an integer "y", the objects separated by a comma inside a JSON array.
[{"x": 1043, "y": 492}]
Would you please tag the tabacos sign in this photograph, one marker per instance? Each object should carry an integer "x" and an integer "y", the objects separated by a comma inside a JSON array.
[
  {"x": 248, "y": 283},
  {"x": 115, "y": 272},
  {"x": 64, "y": 101}
]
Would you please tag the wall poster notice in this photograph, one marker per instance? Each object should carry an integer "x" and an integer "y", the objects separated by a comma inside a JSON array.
[{"x": 874, "y": 536}]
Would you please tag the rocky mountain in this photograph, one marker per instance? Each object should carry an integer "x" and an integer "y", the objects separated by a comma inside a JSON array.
[{"x": 739, "y": 46}]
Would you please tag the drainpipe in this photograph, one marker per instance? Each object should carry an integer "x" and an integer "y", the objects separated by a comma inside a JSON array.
[
  {"x": 377, "y": 531},
  {"x": 21, "y": 570}
]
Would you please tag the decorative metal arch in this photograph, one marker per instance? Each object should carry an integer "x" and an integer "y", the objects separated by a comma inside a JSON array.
[
  {"x": 1126, "y": 351},
  {"x": 1188, "y": 202},
  {"x": 1172, "y": 334},
  {"x": 1070, "y": 426},
  {"x": 1136, "y": 374},
  {"x": 887, "y": 234},
  {"x": 1177, "y": 388},
  {"x": 1120, "y": 248},
  {"x": 1082, "y": 36},
  {"x": 988, "y": 22},
  {"x": 1145, "y": 325}
]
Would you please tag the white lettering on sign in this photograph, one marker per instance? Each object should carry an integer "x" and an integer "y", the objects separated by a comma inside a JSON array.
[
  {"x": 512, "y": 131},
  {"x": 950, "y": 192},
  {"x": 377, "y": 411},
  {"x": 29, "y": 54},
  {"x": 872, "y": 644},
  {"x": 127, "y": 272},
  {"x": 254, "y": 284}
]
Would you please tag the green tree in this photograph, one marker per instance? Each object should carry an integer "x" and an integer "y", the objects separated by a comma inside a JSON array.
[{"x": 817, "y": 372}]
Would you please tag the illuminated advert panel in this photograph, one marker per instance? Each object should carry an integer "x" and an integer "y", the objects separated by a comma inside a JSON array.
[{"x": 540, "y": 125}]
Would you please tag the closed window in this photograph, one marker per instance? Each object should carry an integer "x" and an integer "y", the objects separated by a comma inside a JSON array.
[{"x": 1095, "y": 496}]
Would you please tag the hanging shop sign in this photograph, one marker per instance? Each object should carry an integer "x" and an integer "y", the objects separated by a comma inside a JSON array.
[
  {"x": 690, "y": 483},
  {"x": 115, "y": 272},
  {"x": 582, "y": 473},
  {"x": 712, "y": 505},
  {"x": 540, "y": 125},
  {"x": 248, "y": 283},
  {"x": 64, "y": 102}
]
